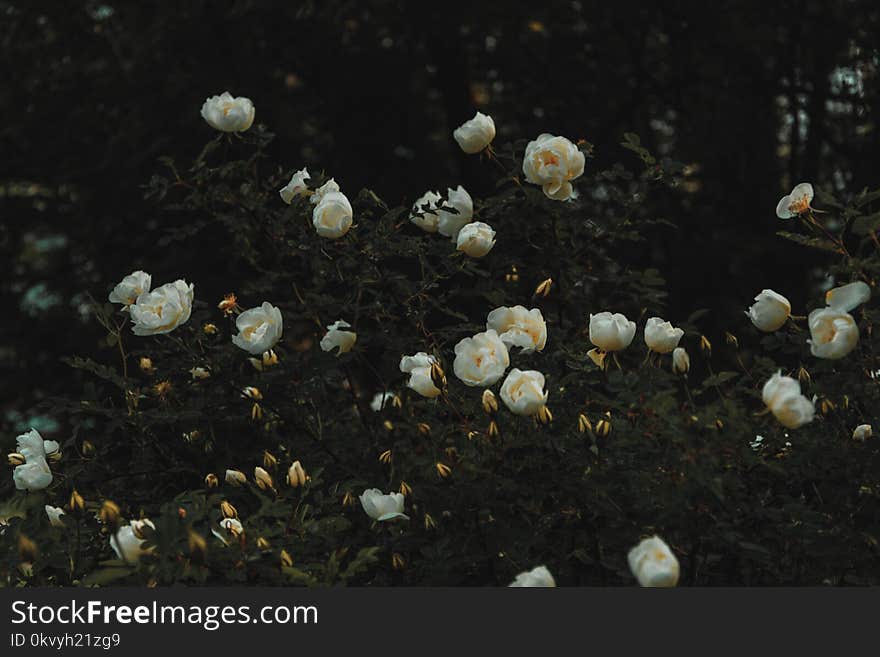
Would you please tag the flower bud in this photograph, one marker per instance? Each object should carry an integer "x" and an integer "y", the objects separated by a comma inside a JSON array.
[
  {"x": 388, "y": 425},
  {"x": 405, "y": 488},
  {"x": 443, "y": 470},
  {"x": 263, "y": 543},
  {"x": 804, "y": 375},
  {"x": 211, "y": 480},
  {"x": 385, "y": 457},
  {"x": 76, "y": 502},
  {"x": 263, "y": 479},
  {"x": 603, "y": 428},
  {"x": 731, "y": 339},
  {"x": 429, "y": 522},
  {"x": 473, "y": 435},
  {"x": 110, "y": 514},
  {"x": 228, "y": 510},
  {"x": 543, "y": 288},
  {"x": 681, "y": 362},
  {"x": 16, "y": 459},
  {"x": 493, "y": 431},
  {"x": 424, "y": 428},
  {"x": 146, "y": 365},
  {"x": 584, "y": 424},
  {"x": 256, "y": 411},
  {"x": 296, "y": 475},
  {"x": 438, "y": 376},
  {"x": 88, "y": 448},
  {"x": 490, "y": 402},
  {"x": 235, "y": 477},
  {"x": 544, "y": 416},
  {"x": 209, "y": 329},
  {"x": 269, "y": 461},
  {"x": 397, "y": 561},
  {"x": 347, "y": 499},
  {"x": 162, "y": 389},
  {"x": 286, "y": 559},
  {"x": 252, "y": 392},
  {"x": 705, "y": 345},
  {"x": 862, "y": 432},
  {"x": 826, "y": 406}
]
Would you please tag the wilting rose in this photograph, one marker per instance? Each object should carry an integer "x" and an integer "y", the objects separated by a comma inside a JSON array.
[
  {"x": 448, "y": 223},
  {"x": 333, "y": 216},
  {"x": 296, "y": 187},
  {"x": 782, "y": 395},
  {"x": 475, "y": 239},
  {"x": 424, "y": 212},
  {"x": 862, "y": 432},
  {"x": 519, "y": 327},
  {"x": 553, "y": 162},
  {"x": 537, "y": 577},
  {"x": 128, "y": 540},
  {"x": 383, "y": 507},
  {"x": 770, "y": 311},
  {"x": 419, "y": 369},
  {"x": 228, "y": 114},
  {"x": 833, "y": 333},
  {"x": 481, "y": 360},
  {"x": 338, "y": 338},
  {"x": 523, "y": 392},
  {"x": 476, "y": 134},
  {"x": 163, "y": 309},
  {"x": 681, "y": 362},
  {"x": 259, "y": 329},
  {"x": 130, "y": 288},
  {"x": 322, "y": 191},
  {"x": 660, "y": 336},
  {"x": 611, "y": 332},
  {"x": 847, "y": 297},
  {"x": 653, "y": 564},
  {"x": 54, "y": 514},
  {"x": 795, "y": 203}
]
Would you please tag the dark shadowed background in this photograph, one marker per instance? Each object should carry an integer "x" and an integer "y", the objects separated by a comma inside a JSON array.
[{"x": 752, "y": 96}]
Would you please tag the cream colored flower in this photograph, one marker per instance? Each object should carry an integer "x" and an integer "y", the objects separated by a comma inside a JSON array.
[
  {"x": 795, "y": 203},
  {"x": 833, "y": 333},
  {"x": 333, "y": 216},
  {"x": 383, "y": 507},
  {"x": 519, "y": 327},
  {"x": 537, "y": 577},
  {"x": 127, "y": 542},
  {"x": 523, "y": 392},
  {"x": 660, "y": 336},
  {"x": 230, "y": 530},
  {"x": 481, "y": 360},
  {"x": 770, "y": 311},
  {"x": 476, "y": 134},
  {"x": 322, "y": 191},
  {"x": 782, "y": 395},
  {"x": 419, "y": 369},
  {"x": 553, "y": 162},
  {"x": 259, "y": 329},
  {"x": 448, "y": 223},
  {"x": 337, "y": 338},
  {"x": 296, "y": 187},
  {"x": 228, "y": 114},
  {"x": 475, "y": 239},
  {"x": 130, "y": 288},
  {"x": 54, "y": 514},
  {"x": 847, "y": 297},
  {"x": 34, "y": 474},
  {"x": 611, "y": 332},
  {"x": 862, "y": 432},
  {"x": 653, "y": 563},
  {"x": 424, "y": 212},
  {"x": 163, "y": 309}
]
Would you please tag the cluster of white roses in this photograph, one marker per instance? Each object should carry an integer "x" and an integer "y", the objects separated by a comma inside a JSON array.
[
  {"x": 332, "y": 215},
  {"x": 613, "y": 332},
  {"x": 452, "y": 218},
  {"x": 153, "y": 312}
]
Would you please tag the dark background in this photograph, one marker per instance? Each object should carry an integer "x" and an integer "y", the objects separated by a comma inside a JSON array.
[{"x": 753, "y": 96}]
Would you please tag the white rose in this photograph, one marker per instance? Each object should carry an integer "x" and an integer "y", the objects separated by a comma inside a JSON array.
[
  {"x": 611, "y": 332},
  {"x": 795, "y": 203},
  {"x": 481, "y": 360},
  {"x": 54, "y": 514},
  {"x": 259, "y": 329},
  {"x": 322, "y": 191},
  {"x": 681, "y": 362},
  {"x": 782, "y": 395},
  {"x": 296, "y": 187},
  {"x": 163, "y": 309},
  {"x": 228, "y": 114},
  {"x": 333, "y": 216},
  {"x": 128, "y": 540},
  {"x": 833, "y": 333},
  {"x": 660, "y": 336},
  {"x": 230, "y": 528},
  {"x": 34, "y": 474},
  {"x": 770, "y": 311},
  {"x": 419, "y": 369},
  {"x": 336, "y": 338},
  {"x": 862, "y": 432},
  {"x": 476, "y": 239},
  {"x": 475, "y": 135},
  {"x": 448, "y": 223},
  {"x": 382, "y": 400},
  {"x": 424, "y": 212},
  {"x": 383, "y": 507},
  {"x": 519, "y": 327},
  {"x": 31, "y": 445},
  {"x": 553, "y": 162},
  {"x": 130, "y": 288},
  {"x": 653, "y": 564},
  {"x": 523, "y": 392},
  {"x": 846, "y": 297},
  {"x": 537, "y": 577}
]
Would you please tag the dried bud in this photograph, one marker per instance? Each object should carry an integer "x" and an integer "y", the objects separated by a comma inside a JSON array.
[
  {"x": 424, "y": 428},
  {"x": 473, "y": 435},
  {"x": 211, "y": 480},
  {"x": 584, "y": 424},
  {"x": 262, "y": 543},
  {"x": 599, "y": 358},
  {"x": 438, "y": 376},
  {"x": 252, "y": 392},
  {"x": 263, "y": 479},
  {"x": 88, "y": 448},
  {"x": 228, "y": 510},
  {"x": 543, "y": 288},
  {"x": 76, "y": 502},
  {"x": 269, "y": 461},
  {"x": 405, "y": 488},
  {"x": 286, "y": 559},
  {"x": 513, "y": 276},
  {"x": 229, "y": 304},
  {"x": 719, "y": 424},
  {"x": 803, "y": 375},
  {"x": 162, "y": 389},
  {"x": 110, "y": 514},
  {"x": 705, "y": 345},
  {"x": 490, "y": 402},
  {"x": 397, "y": 561},
  {"x": 256, "y": 411},
  {"x": 389, "y": 425},
  {"x": 544, "y": 416},
  {"x": 603, "y": 428},
  {"x": 347, "y": 499},
  {"x": 442, "y": 469},
  {"x": 730, "y": 338},
  {"x": 146, "y": 365},
  {"x": 493, "y": 431},
  {"x": 429, "y": 522},
  {"x": 385, "y": 457},
  {"x": 296, "y": 475},
  {"x": 16, "y": 459},
  {"x": 209, "y": 329},
  {"x": 235, "y": 477},
  {"x": 826, "y": 406}
]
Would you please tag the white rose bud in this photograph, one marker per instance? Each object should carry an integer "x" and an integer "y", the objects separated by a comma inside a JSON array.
[
  {"x": 333, "y": 216},
  {"x": 681, "y": 362},
  {"x": 322, "y": 191},
  {"x": 419, "y": 369},
  {"x": 475, "y": 239},
  {"x": 519, "y": 327},
  {"x": 235, "y": 477},
  {"x": 296, "y": 187},
  {"x": 448, "y": 223},
  {"x": 337, "y": 338},
  {"x": 782, "y": 395},
  {"x": 862, "y": 432},
  {"x": 537, "y": 577},
  {"x": 770, "y": 311},
  {"x": 130, "y": 288},
  {"x": 54, "y": 514},
  {"x": 163, "y": 309},
  {"x": 523, "y": 392},
  {"x": 424, "y": 212},
  {"x": 846, "y": 297},
  {"x": 127, "y": 542},
  {"x": 228, "y": 114},
  {"x": 481, "y": 360},
  {"x": 833, "y": 333},
  {"x": 383, "y": 507},
  {"x": 611, "y": 332},
  {"x": 475, "y": 135},
  {"x": 553, "y": 162},
  {"x": 259, "y": 329},
  {"x": 795, "y": 203},
  {"x": 653, "y": 564},
  {"x": 660, "y": 336}
]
